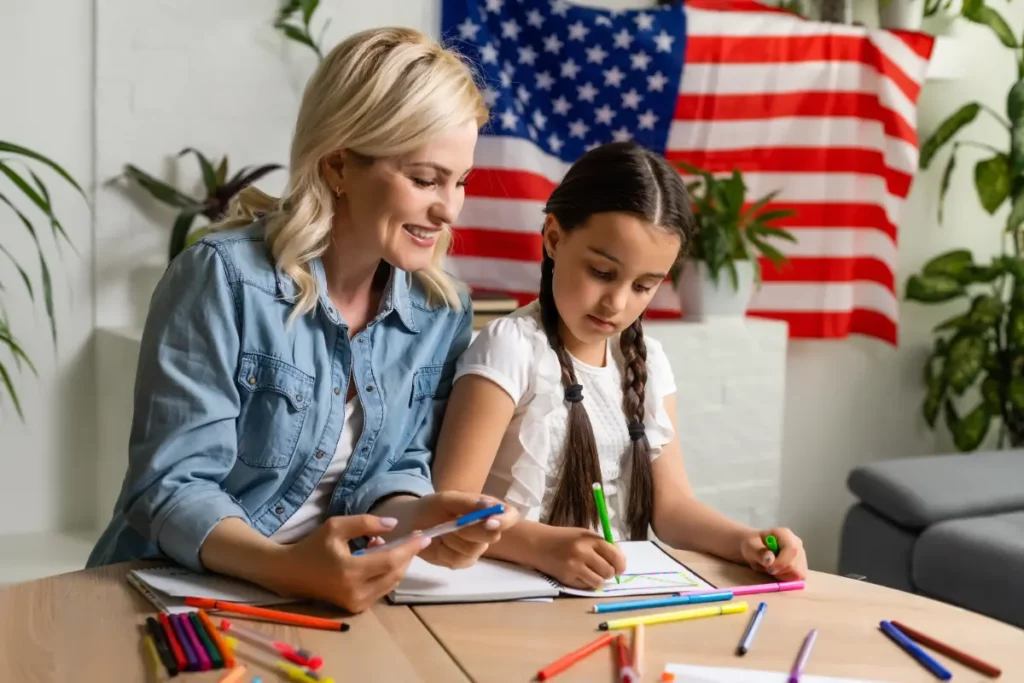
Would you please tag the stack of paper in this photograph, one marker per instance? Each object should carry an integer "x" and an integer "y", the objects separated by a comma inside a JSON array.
[{"x": 167, "y": 588}]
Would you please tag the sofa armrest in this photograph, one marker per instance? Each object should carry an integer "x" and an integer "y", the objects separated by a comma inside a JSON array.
[{"x": 917, "y": 492}]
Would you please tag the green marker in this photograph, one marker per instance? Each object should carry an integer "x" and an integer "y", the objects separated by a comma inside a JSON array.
[
  {"x": 772, "y": 544},
  {"x": 602, "y": 511}
]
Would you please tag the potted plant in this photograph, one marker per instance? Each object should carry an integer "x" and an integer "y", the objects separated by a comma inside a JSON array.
[
  {"x": 974, "y": 374},
  {"x": 219, "y": 192},
  {"x": 729, "y": 238},
  {"x": 30, "y": 187}
]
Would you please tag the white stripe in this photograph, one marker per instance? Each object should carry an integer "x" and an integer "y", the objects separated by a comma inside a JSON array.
[
  {"x": 795, "y": 131},
  {"x": 511, "y": 215},
  {"x": 517, "y": 154},
  {"x": 826, "y": 297},
  {"x": 796, "y": 77}
]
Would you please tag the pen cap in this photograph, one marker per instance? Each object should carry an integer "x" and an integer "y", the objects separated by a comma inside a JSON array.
[{"x": 734, "y": 608}]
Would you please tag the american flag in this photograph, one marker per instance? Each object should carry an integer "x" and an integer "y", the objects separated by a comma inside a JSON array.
[{"x": 825, "y": 113}]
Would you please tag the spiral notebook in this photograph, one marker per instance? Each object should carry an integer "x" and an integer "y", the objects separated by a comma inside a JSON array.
[
  {"x": 167, "y": 587},
  {"x": 649, "y": 571},
  {"x": 687, "y": 673}
]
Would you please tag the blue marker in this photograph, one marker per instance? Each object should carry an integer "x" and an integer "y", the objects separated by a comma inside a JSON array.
[
  {"x": 914, "y": 651},
  {"x": 439, "y": 530},
  {"x": 662, "y": 602},
  {"x": 748, "y": 636}
]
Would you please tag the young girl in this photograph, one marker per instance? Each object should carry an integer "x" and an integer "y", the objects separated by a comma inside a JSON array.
[{"x": 567, "y": 391}]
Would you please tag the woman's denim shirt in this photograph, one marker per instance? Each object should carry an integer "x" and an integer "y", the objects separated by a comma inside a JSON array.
[{"x": 237, "y": 413}]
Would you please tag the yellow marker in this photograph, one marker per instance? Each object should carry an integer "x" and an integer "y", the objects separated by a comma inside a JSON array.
[
  {"x": 294, "y": 673},
  {"x": 730, "y": 608},
  {"x": 153, "y": 654}
]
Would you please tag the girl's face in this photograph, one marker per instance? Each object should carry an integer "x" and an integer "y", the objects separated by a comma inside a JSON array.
[
  {"x": 606, "y": 271},
  {"x": 399, "y": 207}
]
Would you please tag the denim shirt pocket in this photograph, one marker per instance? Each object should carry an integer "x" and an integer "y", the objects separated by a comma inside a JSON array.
[
  {"x": 426, "y": 384},
  {"x": 272, "y": 411}
]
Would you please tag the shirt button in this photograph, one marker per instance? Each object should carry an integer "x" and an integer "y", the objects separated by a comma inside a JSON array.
[
  {"x": 337, "y": 390},
  {"x": 279, "y": 509},
  {"x": 252, "y": 380},
  {"x": 369, "y": 387},
  {"x": 319, "y": 455},
  {"x": 298, "y": 397},
  {"x": 360, "y": 340}
]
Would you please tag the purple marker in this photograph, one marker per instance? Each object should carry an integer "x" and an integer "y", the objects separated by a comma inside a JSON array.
[{"x": 801, "y": 659}]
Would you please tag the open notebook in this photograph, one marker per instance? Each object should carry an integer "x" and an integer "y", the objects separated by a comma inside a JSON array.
[
  {"x": 649, "y": 570},
  {"x": 687, "y": 673},
  {"x": 167, "y": 587}
]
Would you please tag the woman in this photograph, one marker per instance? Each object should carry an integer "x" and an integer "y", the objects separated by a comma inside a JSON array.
[{"x": 294, "y": 368}]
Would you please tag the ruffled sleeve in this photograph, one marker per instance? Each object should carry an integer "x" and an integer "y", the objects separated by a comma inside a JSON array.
[{"x": 660, "y": 383}]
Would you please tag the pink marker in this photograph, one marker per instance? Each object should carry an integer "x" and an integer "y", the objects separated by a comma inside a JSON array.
[{"x": 752, "y": 589}]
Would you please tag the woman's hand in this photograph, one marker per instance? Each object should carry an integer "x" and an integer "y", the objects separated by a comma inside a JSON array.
[
  {"x": 579, "y": 558},
  {"x": 462, "y": 548},
  {"x": 791, "y": 563},
  {"x": 321, "y": 567}
]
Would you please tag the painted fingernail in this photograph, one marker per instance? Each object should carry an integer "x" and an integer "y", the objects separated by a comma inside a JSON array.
[
  {"x": 771, "y": 570},
  {"x": 389, "y": 522},
  {"x": 767, "y": 559},
  {"x": 492, "y": 524},
  {"x": 425, "y": 541}
]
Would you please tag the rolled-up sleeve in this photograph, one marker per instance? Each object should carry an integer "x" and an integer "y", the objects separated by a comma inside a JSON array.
[
  {"x": 183, "y": 439},
  {"x": 410, "y": 473}
]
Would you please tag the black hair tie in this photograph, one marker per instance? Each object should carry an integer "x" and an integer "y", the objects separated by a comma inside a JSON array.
[
  {"x": 636, "y": 431},
  {"x": 574, "y": 393}
]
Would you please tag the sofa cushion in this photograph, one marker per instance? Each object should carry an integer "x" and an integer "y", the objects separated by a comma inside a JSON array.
[
  {"x": 977, "y": 563},
  {"x": 920, "y": 491}
]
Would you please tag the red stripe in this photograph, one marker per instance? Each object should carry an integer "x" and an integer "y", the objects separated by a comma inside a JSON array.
[
  {"x": 500, "y": 183},
  {"x": 829, "y": 269},
  {"x": 921, "y": 43},
  {"x": 500, "y": 244},
  {"x": 799, "y": 160},
  {"x": 802, "y": 324},
  {"x": 736, "y": 6},
  {"x": 782, "y": 49},
  {"x": 763, "y": 107}
]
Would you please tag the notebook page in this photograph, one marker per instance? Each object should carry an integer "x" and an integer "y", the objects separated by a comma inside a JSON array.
[
  {"x": 649, "y": 571},
  {"x": 486, "y": 579},
  {"x": 178, "y": 582},
  {"x": 688, "y": 673}
]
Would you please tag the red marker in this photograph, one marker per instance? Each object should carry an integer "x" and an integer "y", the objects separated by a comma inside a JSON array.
[
  {"x": 626, "y": 673},
  {"x": 292, "y": 654},
  {"x": 568, "y": 660}
]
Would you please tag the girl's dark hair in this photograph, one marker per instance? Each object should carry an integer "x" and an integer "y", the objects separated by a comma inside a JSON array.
[{"x": 616, "y": 177}]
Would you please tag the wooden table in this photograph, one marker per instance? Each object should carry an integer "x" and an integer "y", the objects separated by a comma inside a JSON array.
[
  {"x": 495, "y": 643},
  {"x": 87, "y": 627}
]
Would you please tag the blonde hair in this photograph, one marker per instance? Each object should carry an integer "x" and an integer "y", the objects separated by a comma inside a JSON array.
[{"x": 380, "y": 93}]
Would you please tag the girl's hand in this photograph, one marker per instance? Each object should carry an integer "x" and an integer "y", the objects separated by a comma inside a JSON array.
[
  {"x": 321, "y": 567},
  {"x": 791, "y": 563},
  {"x": 460, "y": 549},
  {"x": 579, "y": 558}
]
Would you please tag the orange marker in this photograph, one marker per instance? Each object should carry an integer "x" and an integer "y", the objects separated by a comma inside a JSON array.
[
  {"x": 638, "y": 649},
  {"x": 233, "y": 676},
  {"x": 568, "y": 660},
  {"x": 268, "y": 614},
  {"x": 218, "y": 642}
]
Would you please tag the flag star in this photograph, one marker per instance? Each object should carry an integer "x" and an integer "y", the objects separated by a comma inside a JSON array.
[
  {"x": 559, "y": 8},
  {"x": 534, "y": 18},
  {"x": 490, "y": 96},
  {"x": 569, "y": 69},
  {"x": 647, "y": 120},
  {"x": 552, "y": 44},
  {"x": 614, "y": 76},
  {"x": 640, "y": 60},
  {"x": 509, "y": 68},
  {"x": 578, "y": 129},
  {"x": 561, "y": 105},
  {"x": 520, "y": 107},
  {"x": 555, "y": 143},
  {"x": 604, "y": 115},
  {"x": 656, "y": 83},
  {"x": 545, "y": 80},
  {"x": 509, "y": 120},
  {"x": 596, "y": 54},
  {"x": 467, "y": 29},
  {"x": 489, "y": 54},
  {"x": 523, "y": 95},
  {"x": 631, "y": 99},
  {"x": 532, "y": 131},
  {"x": 527, "y": 55},
  {"x": 586, "y": 92},
  {"x": 506, "y": 79},
  {"x": 578, "y": 31},
  {"x": 494, "y": 6},
  {"x": 622, "y": 135},
  {"x": 664, "y": 41},
  {"x": 511, "y": 29},
  {"x": 602, "y": 20},
  {"x": 644, "y": 21},
  {"x": 623, "y": 39},
  {"x": 539, "y": 119}
]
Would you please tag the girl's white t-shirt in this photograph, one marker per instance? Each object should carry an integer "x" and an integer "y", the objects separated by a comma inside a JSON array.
[{"x": 514, "y": 353}]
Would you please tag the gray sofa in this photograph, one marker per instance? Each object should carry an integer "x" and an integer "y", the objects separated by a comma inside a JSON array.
[{"x": 950, "y": 527}]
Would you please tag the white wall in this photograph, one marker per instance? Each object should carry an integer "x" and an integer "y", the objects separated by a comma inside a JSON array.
[
  {"x": 46, "y": 96},
  {"x": 158, "y": 89}
]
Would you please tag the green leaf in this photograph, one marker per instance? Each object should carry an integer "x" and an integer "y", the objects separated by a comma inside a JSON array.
[
  {"x": 1015, "y": 329},
  {"x": 982, "y": 14},
  {"x": 298, "y": 35},
  {"x": 933, "y": 288},
  {"x": 992, "y": 181},
  {"x": 6, "y": 378},
  {"x": 765, "y": 231},
  {"x": 969, "y": 431},
  {"x": 55, "y": 224},
  {"x": 21, "y": 271},
  {"x": 1015, "y": 112},
  {"x": 24, "y": 151},
  {"x": 179, "y": 233},
  {"x": 951, "y": 263},
  {"x": 1016, "y": 217},
  {"x": 308, "y": 8},
  {"x": 160, "y": 190},
  {"x": 946, "y": 130},
  {"x": 774, "y": 215},
  {"x": 27, "y": 189},
  {"x": 222, "y": 171},
  {"x": 947, "y": 175},
  {"x": 773, "y": 254},
  {"x": 936, "y": 383},
  {"x": 986, "y": 311},
  {"x": 991, "y": 395},
  {"x": 954, "y": 323},
  {"x": 964, "y": 361},
  {"x": 209, "y": 175},
  {"x": 1016, "y": 393}
]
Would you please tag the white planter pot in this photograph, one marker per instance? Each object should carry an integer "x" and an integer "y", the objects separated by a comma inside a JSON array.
[
  {"x": 700, "y": 298},
  {"x": 901, "y": 14}
]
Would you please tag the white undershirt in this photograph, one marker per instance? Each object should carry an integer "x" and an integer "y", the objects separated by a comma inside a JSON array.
[{"x": 311, "y": 513}]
